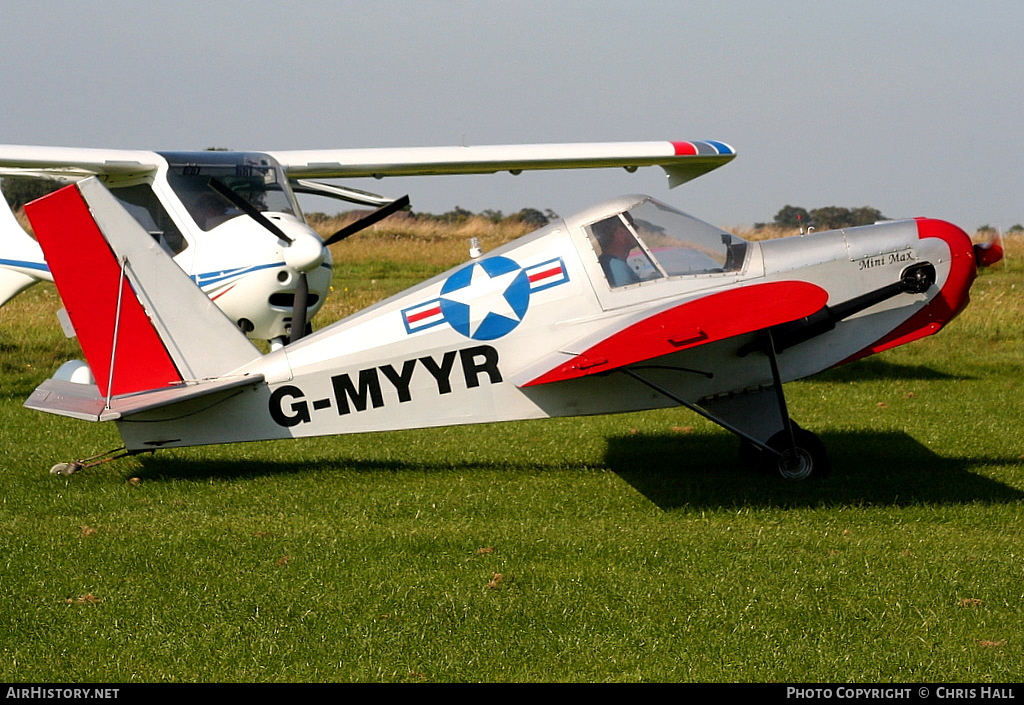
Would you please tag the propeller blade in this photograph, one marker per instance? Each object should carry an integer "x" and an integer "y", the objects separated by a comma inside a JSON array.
[
  {"x": 299, "y": 308},
  {"x": 247, "y": 208},
  {"x": 988, "y": 253},
  {"x": 363, "y": 223}
]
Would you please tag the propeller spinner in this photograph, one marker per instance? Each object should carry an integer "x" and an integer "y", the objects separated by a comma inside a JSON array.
[{"x": 305, "y": 251}]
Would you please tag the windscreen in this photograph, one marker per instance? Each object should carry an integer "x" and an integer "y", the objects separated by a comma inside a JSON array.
[
  {"x": 257, "y": 179},
  {"x": 681, "y": 244},
  {"x": 651, "y": 240}
]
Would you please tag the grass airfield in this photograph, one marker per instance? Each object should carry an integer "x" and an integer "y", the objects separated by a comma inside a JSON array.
[{"x": 619, "y": 548}]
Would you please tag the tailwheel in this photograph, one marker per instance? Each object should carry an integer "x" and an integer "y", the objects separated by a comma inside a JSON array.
[{"x": 806, "y": 457}]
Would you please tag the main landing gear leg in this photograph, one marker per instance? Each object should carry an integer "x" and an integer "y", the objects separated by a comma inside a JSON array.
[
  {"x": 797, "y": 454},
  {"x": 768, "y": 437}
]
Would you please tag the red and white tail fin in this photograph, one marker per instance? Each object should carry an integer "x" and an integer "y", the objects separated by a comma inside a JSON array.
[
  {"x": 142, "y": 323},
  {"x": 21, "y": 259}
]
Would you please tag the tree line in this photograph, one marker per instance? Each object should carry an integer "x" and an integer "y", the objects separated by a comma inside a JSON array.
[
  {"x": 834, "y": 217},
  {"x": 827, "y": 218},
  {"x": 19, "y": 191}
]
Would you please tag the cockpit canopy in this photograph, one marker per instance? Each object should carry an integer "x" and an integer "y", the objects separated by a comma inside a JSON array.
[
  {"x": 651, "y": 240},
  {"x": 256, "y": 178}
]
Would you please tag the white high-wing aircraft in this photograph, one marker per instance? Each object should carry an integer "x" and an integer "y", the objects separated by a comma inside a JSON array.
[
  {"x": 232, "y": 222},
  {"x": 626, "y": 306}
]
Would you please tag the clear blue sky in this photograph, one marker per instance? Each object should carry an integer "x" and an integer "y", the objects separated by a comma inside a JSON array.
[{"x": 913, "y": 107}]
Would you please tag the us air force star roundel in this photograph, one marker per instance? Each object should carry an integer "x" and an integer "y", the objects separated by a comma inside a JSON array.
[{"x": 487, "y": 299}]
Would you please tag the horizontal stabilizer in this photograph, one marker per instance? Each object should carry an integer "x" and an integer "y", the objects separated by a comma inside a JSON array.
[
  {"x": 84, "y": 401},
  {"x": 680, "y": 326}
]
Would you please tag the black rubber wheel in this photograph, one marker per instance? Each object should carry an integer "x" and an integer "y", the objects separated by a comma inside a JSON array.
[
  {"x": 810, "y": 458},
  {"x": 754, "y": 457}
]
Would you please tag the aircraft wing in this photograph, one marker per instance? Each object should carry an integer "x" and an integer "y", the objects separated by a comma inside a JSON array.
[
  {"x": 73, "y": 161},
  {"x": 678, "y": 326},
  {"x": 682, "y": 161}
]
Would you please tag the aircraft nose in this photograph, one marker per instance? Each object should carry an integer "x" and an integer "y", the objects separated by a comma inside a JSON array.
[
  {"x": 962, "y": 266},
  {"x": 958, "y": 241}
]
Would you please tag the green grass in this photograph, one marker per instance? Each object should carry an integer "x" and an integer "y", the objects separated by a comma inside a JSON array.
[{"x": 621, "y": 548}]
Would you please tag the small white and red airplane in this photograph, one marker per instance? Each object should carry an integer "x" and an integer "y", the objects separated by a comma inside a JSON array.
[
  {"x": 629, "y": 305},
  {"x": 256, "y": 268}
]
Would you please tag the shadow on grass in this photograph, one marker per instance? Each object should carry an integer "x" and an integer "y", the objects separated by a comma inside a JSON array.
[
  {"x": 160, "y": 467},
  {"x": 867, "y": 469},
  {"x": 673, "y": 471},
  {"x": 875, "y": 368}
]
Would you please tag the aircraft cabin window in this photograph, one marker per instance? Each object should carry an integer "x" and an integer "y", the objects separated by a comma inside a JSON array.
[
  {"x": 145, "y": 207},
  {"x": 652, "y": 240},
  {"x": 622, "y": 258},
  {"x": 681, "y": 244}
]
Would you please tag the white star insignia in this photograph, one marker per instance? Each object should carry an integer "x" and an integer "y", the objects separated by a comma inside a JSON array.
[{"x": 485, "y": 295}]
